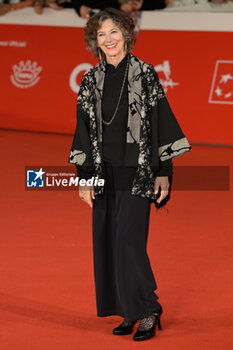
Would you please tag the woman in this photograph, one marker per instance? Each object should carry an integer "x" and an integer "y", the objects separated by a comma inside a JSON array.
[{"x": 126, "y": 133}]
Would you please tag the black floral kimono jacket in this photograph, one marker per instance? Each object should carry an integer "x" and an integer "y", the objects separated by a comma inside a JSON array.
[{"x": 153, "y": 134}]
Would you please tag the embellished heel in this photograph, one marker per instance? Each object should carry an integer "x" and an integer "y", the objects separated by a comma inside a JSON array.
[{"x": 147, "y": 326}]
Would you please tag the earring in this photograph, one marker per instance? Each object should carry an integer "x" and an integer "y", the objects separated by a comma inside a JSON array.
[
  {"x": 99, "y": 54},
  {"x": 126, "y": 46}
]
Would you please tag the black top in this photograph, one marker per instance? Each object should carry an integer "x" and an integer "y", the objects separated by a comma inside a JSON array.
[{"x": 114, "y": 135}]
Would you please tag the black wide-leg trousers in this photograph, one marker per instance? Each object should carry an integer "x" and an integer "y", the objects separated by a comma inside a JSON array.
[{"x": 124, "y": 280}]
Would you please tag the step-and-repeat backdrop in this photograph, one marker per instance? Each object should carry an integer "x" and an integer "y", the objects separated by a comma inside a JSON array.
[{"x": 41, "y": 68}]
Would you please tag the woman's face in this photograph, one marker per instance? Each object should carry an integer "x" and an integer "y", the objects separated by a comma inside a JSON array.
[{"x": 111, "y": 41}]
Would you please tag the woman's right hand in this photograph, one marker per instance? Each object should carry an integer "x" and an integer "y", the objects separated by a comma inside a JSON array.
[{"x": 86, "y": 193}]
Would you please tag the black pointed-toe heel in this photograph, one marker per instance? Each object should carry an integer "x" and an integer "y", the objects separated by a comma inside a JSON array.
[
  {"x": 124, "y": 328},
  {"x": 148, "y": 333}
]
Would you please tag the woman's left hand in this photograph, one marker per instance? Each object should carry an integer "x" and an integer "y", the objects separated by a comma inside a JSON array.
[{"x": 162, "y": 181}]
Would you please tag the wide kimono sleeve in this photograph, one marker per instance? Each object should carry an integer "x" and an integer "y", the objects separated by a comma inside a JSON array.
[
  {"x": 81, "y": 152},
  {"x": 167, "y": 138}
]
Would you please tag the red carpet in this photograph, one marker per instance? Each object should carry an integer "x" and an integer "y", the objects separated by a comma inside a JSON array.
[{"x": 47, "y": 299}]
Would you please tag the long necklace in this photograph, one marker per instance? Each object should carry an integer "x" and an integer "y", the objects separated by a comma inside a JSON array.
[{"x": 118, "y": 103}]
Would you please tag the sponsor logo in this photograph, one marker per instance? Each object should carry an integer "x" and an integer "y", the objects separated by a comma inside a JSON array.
[
  {"x": 74, "y": 75},
  {"x": 221, "y": 90},
  {"x": 26, "y": 74},
  {"x": 35, "y": 178},
  {"x": 57, "y": 178},
  {"x": 167, "y": 81}
]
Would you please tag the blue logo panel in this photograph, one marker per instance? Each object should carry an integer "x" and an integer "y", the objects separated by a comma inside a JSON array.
[{"x": 35, "y": 178}]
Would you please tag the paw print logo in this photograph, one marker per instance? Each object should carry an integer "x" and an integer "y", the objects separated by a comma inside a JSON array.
[
  {"x": 25, "y": 74},
  {"x": 222, "y": 83}
]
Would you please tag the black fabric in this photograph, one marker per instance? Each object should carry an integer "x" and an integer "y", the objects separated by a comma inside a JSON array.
[
  {"x": 165, "y": 168},
  {"x": 114, "y": 135},
  {"x": 83, "y": 132},
  {"x": 149, "y": 5},
  {"x": 164, "y": 126},
  {"x": 65, "y": 3},
  {"x": 124, "y": 280},
  {"x": 84, "y": 173}
]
